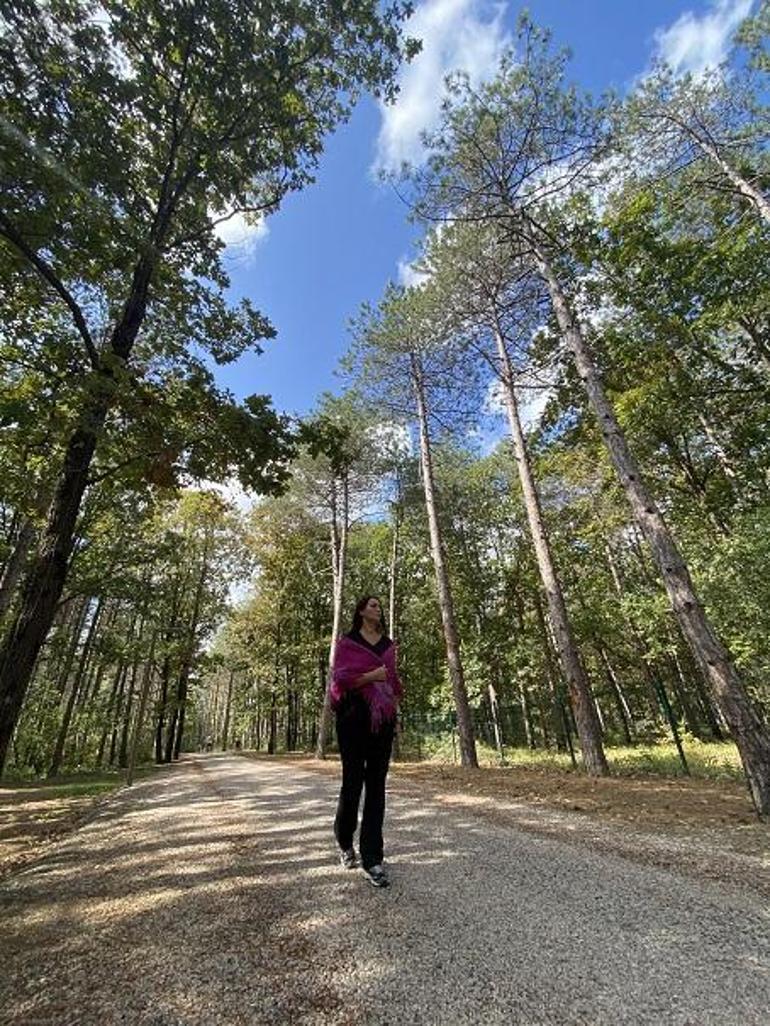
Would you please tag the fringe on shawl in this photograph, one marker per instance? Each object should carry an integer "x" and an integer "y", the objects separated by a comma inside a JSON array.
[{"x": 351, "y": 661}]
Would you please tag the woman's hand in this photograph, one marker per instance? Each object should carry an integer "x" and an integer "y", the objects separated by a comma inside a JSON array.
[{"x": 380, "y": 674}]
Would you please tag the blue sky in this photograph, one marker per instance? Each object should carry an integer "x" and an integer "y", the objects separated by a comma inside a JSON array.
[{"x": 336, "y": 244}]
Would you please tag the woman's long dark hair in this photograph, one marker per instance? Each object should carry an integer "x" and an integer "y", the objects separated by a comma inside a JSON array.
[{"x": 358, "y": 618}]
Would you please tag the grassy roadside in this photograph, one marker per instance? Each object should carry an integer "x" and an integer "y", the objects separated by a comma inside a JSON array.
[
  {"x": 34, "y": 813},
  {"x": 708, "y": 761}
]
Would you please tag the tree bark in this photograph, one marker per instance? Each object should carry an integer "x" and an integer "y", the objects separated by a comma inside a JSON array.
[
  {"x": 113, "y": 697},
  {"x": 272, "y": 724},
  {"x": 494, "y": 709},
  {"x": 393, "y": 593},
  {"x": 393, "y": 571},
  {"x": 621, "y": 702},
  {"x": 89, "y": 711},
  {"x": 583, "y": 705},
  {"x": 14, "y": 566},
  {"x": 744, "y": 187},
  {"x": 123, "y": 750},
  {"x": 47, "y": 573},
  {"x": 468, "y": 755},
  {"x": 182, "y": 713},
  {"x": 61, "y": 739},
  {"x": 168, "y": 749},
  {"x": 748, "y": 731},
  {"x": 144, "y": 695},
  {"x": 526, "y": 717},
  {"x": 228, "y": 702},
  {"x": 76, "y": 620},
  {"x": 176, "y": 727},
  {"x": 559, "y": 720},
  {"x": 165, "y": 676},
  {"x": 339, "y": 549}
]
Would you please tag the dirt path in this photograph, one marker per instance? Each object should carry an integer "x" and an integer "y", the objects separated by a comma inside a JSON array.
[{"x": 210, "y": 895}]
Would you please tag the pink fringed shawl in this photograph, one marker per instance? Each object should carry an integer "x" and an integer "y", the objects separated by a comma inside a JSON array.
[{"x": 351, "y": 661}]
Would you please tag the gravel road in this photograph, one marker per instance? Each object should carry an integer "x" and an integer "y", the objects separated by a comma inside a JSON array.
[{"x": 210, "y": 896}]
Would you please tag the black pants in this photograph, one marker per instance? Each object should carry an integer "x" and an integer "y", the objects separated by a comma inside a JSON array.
[{"x": 365, "y": 757}]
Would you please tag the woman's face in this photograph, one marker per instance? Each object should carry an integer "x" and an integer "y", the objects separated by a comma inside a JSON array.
[{"x": 372, "y": 612}]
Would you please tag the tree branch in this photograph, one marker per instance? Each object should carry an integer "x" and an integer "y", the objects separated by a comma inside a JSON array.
[{"x": 9, "y": 231}]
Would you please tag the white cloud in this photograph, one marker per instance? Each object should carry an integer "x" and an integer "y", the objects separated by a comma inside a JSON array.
[
  {"x": 531, "y": 400},
  {"x": 240, "y": 236},
  {"x": 409, "y": 276},
  {"x": 696, "y": 44},
  {"x": 457, "y": 35},
  {"x": 532, "y": 406}
]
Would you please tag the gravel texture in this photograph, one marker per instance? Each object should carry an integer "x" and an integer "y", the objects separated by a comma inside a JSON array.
[{"x": 211, "y": 895}]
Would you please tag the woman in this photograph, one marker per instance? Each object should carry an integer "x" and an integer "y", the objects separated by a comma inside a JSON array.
[{"x": 365, "y": 692}]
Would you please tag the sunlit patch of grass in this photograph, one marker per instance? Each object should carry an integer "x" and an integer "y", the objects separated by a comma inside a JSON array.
[
  {"x": 708, "y": 761},
  {"x": 70, "y": 785}
]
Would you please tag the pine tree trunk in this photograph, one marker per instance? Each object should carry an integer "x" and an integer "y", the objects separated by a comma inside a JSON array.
[
  {"x": 621, "y": 702},
  {"x": 176, "y": 724},
  {"x": 558, "y": 718},
  {"x": 494, "y": 710},
  {"x": 123, "y": 750},
  {"x": 744, "y": 187},
  {"x": 139, "y": 721},
  {"x": 87, "y": 697},
  {"x": 272, "y": 724},
  {"x": 168, "y": 748},
  {"x": 88, "y": 713},
  {"x": 111, "y": 702},
  {"x": 339, "y": 548},
  {"x": 75, "y": 621},
  {"x": 14, "y": 566},
  {"x": 392, "y": 593},
  {"x": 61, "y": 739},
  {"x": 748, "y": 731},
  {"x": 165, "y": 676},
  {"x": 181, "y": 715},
  {"x": 288, "y": 737},
  {"x": 228, "y": 702},
  {"x": 258, "y": 720},
  {"x": 393, "y": 573},
  {"x": 446, "y": 604},
  {"x": 583, "y": 705},
  {"x": 526, "y": 719}
]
